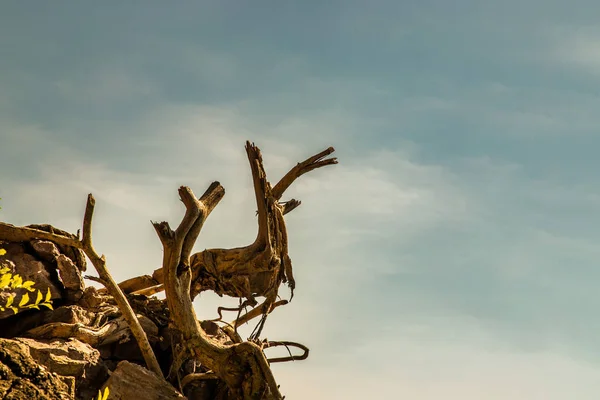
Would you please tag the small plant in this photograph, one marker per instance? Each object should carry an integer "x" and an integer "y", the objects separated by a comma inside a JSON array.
[
  {"x": 103, "y": 396},
  {"x": 9, "y": 281}
]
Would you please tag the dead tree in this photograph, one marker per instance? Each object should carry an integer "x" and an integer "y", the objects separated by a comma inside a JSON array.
[{"x": 217, "y": 353}]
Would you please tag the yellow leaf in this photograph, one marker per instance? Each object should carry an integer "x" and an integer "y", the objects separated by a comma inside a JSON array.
[
  {"x": 24, "y": 300},
  {"x": 39, "y": 297},
  {"x": 47, "y": 305},
  {"x": 106, "y": 392},
  {"x": 33, "y": 306},
  {"x": 2, "y": 252},
  {"x": 15, "y": 309},
  {"x": 48, "y": 295},
  {"x": 29, "y": 286},
  {"x": 9, "y": 301},
  {"x": 5, "y": 280},
  {"x": 4, "y": 270},
  {"x": 17, "y": 281}
]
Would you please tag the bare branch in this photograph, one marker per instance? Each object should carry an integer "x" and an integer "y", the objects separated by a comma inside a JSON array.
[
  {"x": 207, "y": 203},
  {"x": 114, "y": 290},
  {"x": 23, "y": 234},
  {"x": 255, "y": 312},
  {"x": 305, "y": 166},
  {"x": 303, "y": 356},
  {"x": 149, "y": 291}
]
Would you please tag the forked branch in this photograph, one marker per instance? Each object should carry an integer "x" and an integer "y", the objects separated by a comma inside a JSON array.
[
  {"x": 316, "y": 161},
  {"x": 250, "y": 377}
]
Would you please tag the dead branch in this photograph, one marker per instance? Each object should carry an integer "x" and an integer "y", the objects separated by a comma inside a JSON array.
[
  {"x": 114, "y": 290},
  {"x": 230, "y": 328},
  {"x": 250, "y": 376},
  {"x": 255, "y": 312},
  {"x": 150, "y": 290},
  {"x": 303, "y": 356},
  {"x": 24, "y": 234},
  {"x": 300, "y": 169}
]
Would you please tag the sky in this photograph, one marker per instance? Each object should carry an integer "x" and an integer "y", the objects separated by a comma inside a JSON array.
[{"x": 451, "y": 254}]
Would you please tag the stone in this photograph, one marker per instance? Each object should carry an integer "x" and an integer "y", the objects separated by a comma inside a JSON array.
[
  {"x": 69, "y": 358},
  {"x": 22, "y": 378},
  {"x": 132, "y": 381}
]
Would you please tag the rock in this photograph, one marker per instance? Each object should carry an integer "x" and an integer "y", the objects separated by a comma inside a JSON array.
[
  {"x": 91, "y": 299},
  {"x": 73, "y": 253},
  {"x": 70, "y": 358},
  {"x": 70, "y": 276},
  {"x": 46, "y": 250},
  {"x": 68, "y": 273},
  {"x": 29, "y": 268},
  {"x": 22, "y": 322},
  {"x": 22, "y": 378},
  {"x": 131, "y": 381}
]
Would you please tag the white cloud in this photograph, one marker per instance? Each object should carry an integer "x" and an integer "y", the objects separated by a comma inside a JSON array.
[{"x": 578, "y": 48}]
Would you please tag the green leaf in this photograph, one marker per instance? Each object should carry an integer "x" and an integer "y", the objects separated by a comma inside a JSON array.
[{"x": 24, "y": 300}]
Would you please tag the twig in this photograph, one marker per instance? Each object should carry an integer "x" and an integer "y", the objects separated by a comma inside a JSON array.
[
  {"x": 303, "y": 356},
  {"x": 95, "y": 279},
  {"x": 255, "y": 312},
  {"x": 149, "y": 291}
]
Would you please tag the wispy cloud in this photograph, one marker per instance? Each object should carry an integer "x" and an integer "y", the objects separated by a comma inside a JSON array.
[{"x": 451, "y": 253}]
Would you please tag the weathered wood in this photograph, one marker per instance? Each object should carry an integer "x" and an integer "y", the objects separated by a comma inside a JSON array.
[
  {"x": 203, "y": 359},
  {"x": 249, "y": 376},
  {"x": 100, "y": 265}
]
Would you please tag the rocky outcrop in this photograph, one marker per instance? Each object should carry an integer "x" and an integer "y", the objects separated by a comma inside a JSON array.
[
  {"x": 69, "y": 349},
  {"x": 22, "y": 377}
]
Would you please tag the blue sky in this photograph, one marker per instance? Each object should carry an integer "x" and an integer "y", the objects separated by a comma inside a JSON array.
[{"x": 452, "y": 252}]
